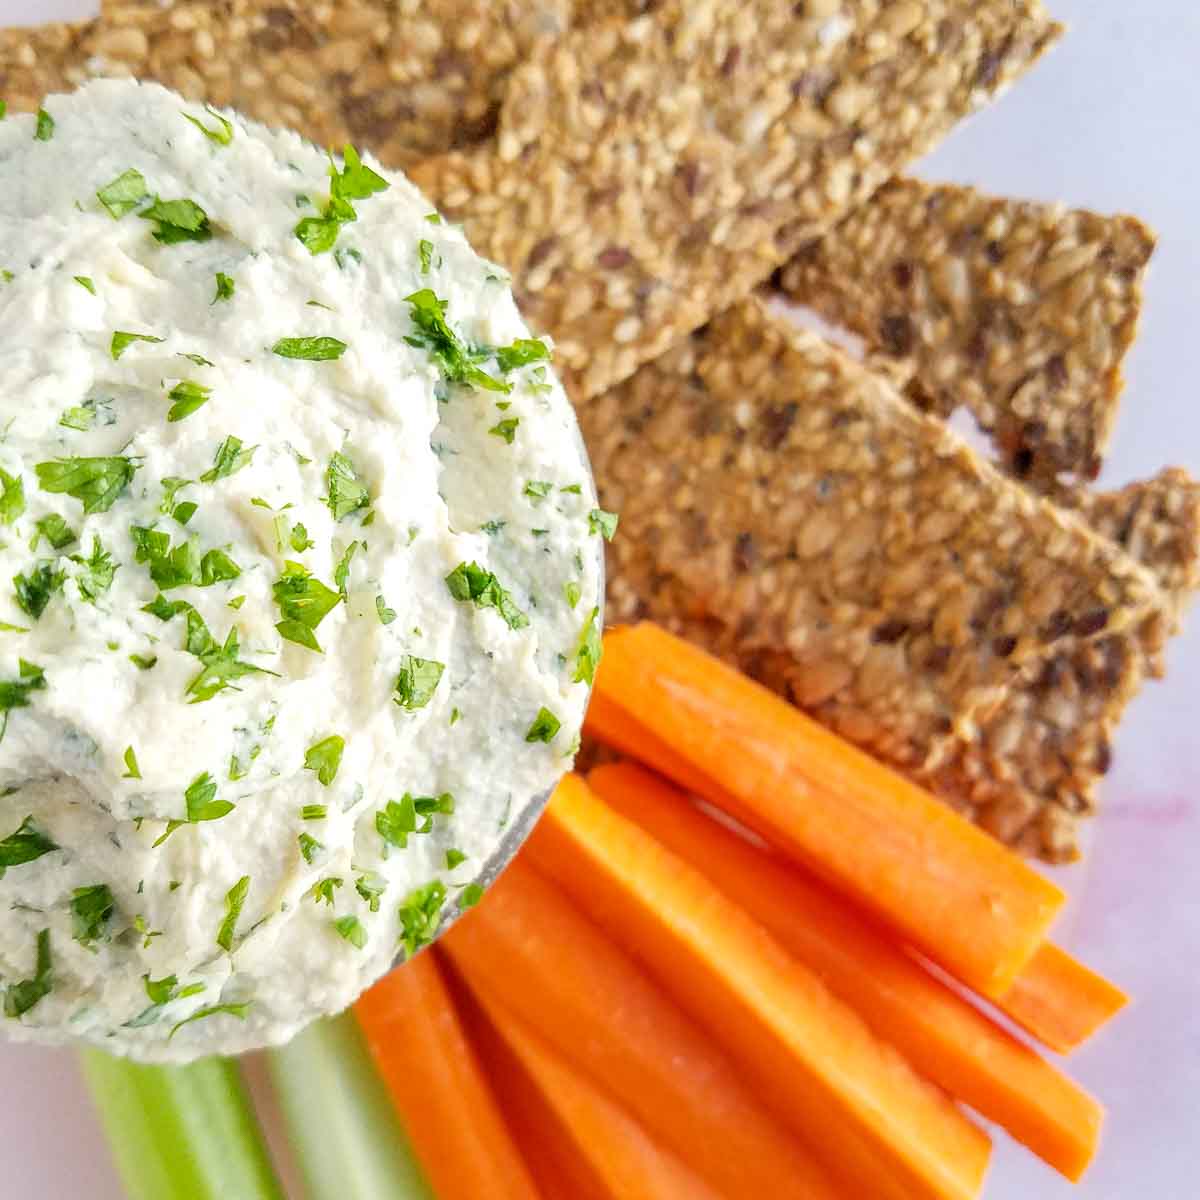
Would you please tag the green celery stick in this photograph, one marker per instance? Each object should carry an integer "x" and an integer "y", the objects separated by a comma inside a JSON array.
[
  {"x": 341, "y": 1124},
  {"x": 181, "y": 1133}
]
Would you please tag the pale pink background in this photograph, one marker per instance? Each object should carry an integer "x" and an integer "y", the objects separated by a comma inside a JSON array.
[{"x": 1109, "y": 121}]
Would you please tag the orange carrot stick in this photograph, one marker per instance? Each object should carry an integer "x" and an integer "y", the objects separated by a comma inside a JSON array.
[
  {"x": 881, "y": 1128},
  {"x": 529, "y": 950},
  {"x": 438, "y": 1087},
  {"x": 943, "y": 1035},
  {"x": 1060, "y": 1001},
  {"x": 944, "y": 885},
  {"x": 591, "y": 1140}
]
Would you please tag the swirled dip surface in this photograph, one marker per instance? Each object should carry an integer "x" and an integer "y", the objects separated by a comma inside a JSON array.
[{"x": 298, "y": 574}]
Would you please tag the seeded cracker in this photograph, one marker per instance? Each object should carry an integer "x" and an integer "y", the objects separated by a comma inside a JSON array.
[
  {"x": 1019, "y": 312},
  {"x": 862, "y": 559},
  {"x": 647, "y": 174}
]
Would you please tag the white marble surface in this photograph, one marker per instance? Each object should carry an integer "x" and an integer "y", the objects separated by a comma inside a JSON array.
[{"x": 1109, "y": 121}]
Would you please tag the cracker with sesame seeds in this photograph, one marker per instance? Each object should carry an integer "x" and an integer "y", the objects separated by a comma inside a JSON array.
[
  {"x": 863, "y": 560},
  {"x": 647, "y": 174},
  {"x": 1017, "y": 311}
]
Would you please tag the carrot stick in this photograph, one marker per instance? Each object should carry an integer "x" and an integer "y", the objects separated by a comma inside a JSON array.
[
  {"x": 1060, "y": 1001},
  {"x": 567, "y": 1117},
  {"x": 943, "y": 1035},
  {"x": 438, "y": 1086},
  {"x": 529, "y": 950},
  {"x": 881, "y": 1128},
  {"x": 944, "y": 885}
]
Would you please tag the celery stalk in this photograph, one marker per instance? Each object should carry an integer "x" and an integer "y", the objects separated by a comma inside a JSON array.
[
  {"x": 342, "y": 1127},
  {"x": 181, "y": 1133}
]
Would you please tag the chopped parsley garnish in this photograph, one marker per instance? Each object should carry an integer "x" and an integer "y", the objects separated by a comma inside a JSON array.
[
  {"x": 458, "y": 362},
  {"x": 20, "y": 997},
  {"x": 45, "y": 126},
  {"x": 341, "y": 573},
  {"x": 85, "y": 282},
  {"x": 588, "y": 651},
  {"x": 536, "y": 489},
  {"x": 79, "y": 418},
  {"x": 571, "y": 592},
  {"x": 299, "y": 539},
  {"x": 313, "y": 812},
  {"x": 162, "y": 992},
  {"x": 235, "y": 898},
  {"x": 172, "y": 485},
  {"x": 325, "y": 757},
  {"x": 25, "y": 844},
  {"x": 122, "y": 340},
  {"x": 222, "y": 135},
  {"x": 309, "y": 846},
  {"x": 202, "y": 802},
  {"x": 521, "y": 353},
  {"x": 91, "y": 913},
  {"x": 226, "y": 286},
  {"x": 346, "y": 492},
  {"x": 132, "y": 770},
  {"x": 95, "y": 482},
  {"x": 354, "y": 182},
  {"x": 603, "y": 523},
  {"x": 144, "y": 662},
  {"x": 454, "y": 858},
  {"x": 419, "y": 916},
  {"x": 186, "y": 398},
  {"x": 212, "y": 1010},
  {"x": 230, "y": 458},
  {"x": 455, "y": 716},
  {"x": 177, "y": 221},
  {"x": 353, "y": 930},
  {"x": 386, "y": 615},
  {"x": 398, "y": 818},
  {"x": 506, "y": 429},
  {"x": 573, "y": 489},
  {"x": 14, "y": 693},
  {"x": 544, "y": 728},
  {"x": 304, "y": 602},
  {"x": 12, "y": 497},
  {"x": 323, "y": 889},
  {"x": 434, "y": 218},
  {"x": 124, "y": 194},
  {"x": 96, "y": 575},
  {"x": 425, "y": 252},
  {"x": 221, "y": 663},
  {"x": 33, "y": 591},
  {"x": 197, "y": 359},
  {"x": 371, "y": 887},
  {"x": 55, "y": 530},
  {"x": 316, "y": 349},
  {"x": 417, "y": 681},
  {"x": 470, "y": 896},
  {"x": 217, "y": 567},
  {"x": 470, "y": 583}
]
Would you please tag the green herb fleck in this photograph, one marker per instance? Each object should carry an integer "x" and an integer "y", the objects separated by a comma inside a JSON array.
[
  {"x": 572, "y": 592},
  {"x": 419, "y": 915},
  {"x": 212, "y": 1010},
  {"x": 386, "y": 615},
  {"x": 144, "y": 662},
  {"x": 506, "y": 429},
  {"x": 177, "y": 221},
  {"x": 588, "y": 651},
  {"x": 309, "y": 846},
  {"x": 537, "y": 489},
  {"x": 314, "y": 812},
  {"x": 14, "y": 693},
  {"x": 78, "y": 418},
  {"x": 33, "y": 591},
  {"x": 346, "y": 492},
  {"x": 222, "y": 135},
  {"x": 299, "y": 539},
  {"x": 544, "y": 727},
  {"x": 470, "y": 583},
  {"x": 202, "y": 802},
  {"x": 230, "y": 458},
  {"x": 316, "y": 349},
  {"x": 55, "y": 530},
  {"x": 371, "y": 887},
  {"x": 458, "y": 362},
  {"x": 573, "y": 489},
  {"x": 353, "y": 930},
  {"x": 20, "y": 997},
  {"x": 216, "y": 567},
  {"x": 25, "y": 844},
  {"x": 45, "y": 126},
  {"x": 417, "y": 681},
  {"x": 124, "y": 194},
  {"x": 95, "y": 482},
  {"x": 132, "y": 770},
  {"x": 226, "y": 286},
  {"x": 454, "y": 858},
  {"x": 521, "y": 353},
  {"x": 235, "y": 898},
  {"x": 341, "y": 573},
  {"x": 12, "y": 497},
  {"x": 187, "y": 397},
  {"x": 122, "y": 340},
  {"x": 85, "y": 282},
  {"x": 470, "y": 896},
  {"x": 425, "y": 251},
  {"x": 91, "y": 913},
  {"x": 97, "y": 572},
  {"x": 220, "y": 662},
  {"x": 324, "y": 757},
  {"x": 603, "y": 523},
  {"x": 323, "y": 889},
  {"x": 304, "y": 602}
]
